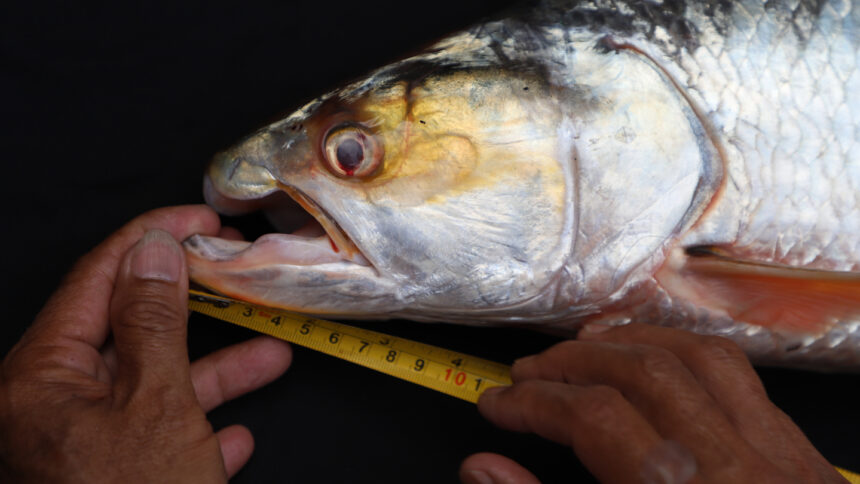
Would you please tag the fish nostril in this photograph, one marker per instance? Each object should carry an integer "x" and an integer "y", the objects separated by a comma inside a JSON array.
[{"x": 234, "y": 165}]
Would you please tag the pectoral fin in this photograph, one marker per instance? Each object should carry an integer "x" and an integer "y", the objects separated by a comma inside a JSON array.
[{"x": 783, "y": 298}]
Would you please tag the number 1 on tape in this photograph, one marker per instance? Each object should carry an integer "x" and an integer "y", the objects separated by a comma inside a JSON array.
[{"x": 456, "y": 374}]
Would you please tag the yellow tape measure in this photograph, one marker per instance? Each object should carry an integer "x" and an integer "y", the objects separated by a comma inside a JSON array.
[
  {"x": 851, "y": 477},
  {"x": 456, "y": 374}
]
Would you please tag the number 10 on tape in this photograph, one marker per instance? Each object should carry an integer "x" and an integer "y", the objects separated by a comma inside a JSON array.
[{"x": 456, "y": 374}]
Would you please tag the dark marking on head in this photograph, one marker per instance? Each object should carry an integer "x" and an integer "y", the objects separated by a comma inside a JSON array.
[
  {"x": 500, "y": 53},
  {"x": 412, "y": 73},
  {"x": 681, "y": 19},
  {"x": 606, "y": 45},
  {"x": 415, "y": 72},
  {"x": 628, "y": 17}
]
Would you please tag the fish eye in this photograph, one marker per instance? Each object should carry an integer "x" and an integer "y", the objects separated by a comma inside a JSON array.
[{"x": 351, "y": 151}]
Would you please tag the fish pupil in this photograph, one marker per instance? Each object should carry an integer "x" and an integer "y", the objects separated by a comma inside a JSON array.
[{"x": 350, "y": 154}]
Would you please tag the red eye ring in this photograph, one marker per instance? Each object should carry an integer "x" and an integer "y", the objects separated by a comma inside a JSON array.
[{"x": 350, "y": 150}]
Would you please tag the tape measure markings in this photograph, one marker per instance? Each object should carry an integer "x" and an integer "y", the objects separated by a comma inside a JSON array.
[
  {"x": 453, "y": 373},
  {"x": 456, "y": 374}
]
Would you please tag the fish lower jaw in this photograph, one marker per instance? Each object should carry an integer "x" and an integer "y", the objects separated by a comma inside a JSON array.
[
  {"x": 294, "y": 273},
  {"x": 270, "y": 250}
]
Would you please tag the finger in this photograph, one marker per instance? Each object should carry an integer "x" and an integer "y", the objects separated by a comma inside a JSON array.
[
  {"x": 608, "y": 434},
  {"x": 79, "y": 308},
  {"x": 717, "y": 363},
  {"x": 487, "y": 468},
  {"x": 724, "y": 371},
  {"x": 238, "y": 369},
  {"x": 656, "y": 383},
  {"x": 237, "y": 445},
  {"x": 230, "y": 233},
  {"x": 149, "y": 315}
]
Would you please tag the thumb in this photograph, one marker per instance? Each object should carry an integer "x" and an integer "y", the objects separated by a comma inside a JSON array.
[
  {"x": 149, "y": 315},
  {"x": 488, "y": 468}
]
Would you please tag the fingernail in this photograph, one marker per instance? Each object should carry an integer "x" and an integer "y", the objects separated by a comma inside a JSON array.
[
  {"x": 157, "y": 257},
  {"x": 595, "y": 328},
  {"x": 479, "y": 477}
]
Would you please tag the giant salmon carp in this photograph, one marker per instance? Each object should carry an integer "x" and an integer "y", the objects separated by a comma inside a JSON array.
[{"x": 689, "y": 164}]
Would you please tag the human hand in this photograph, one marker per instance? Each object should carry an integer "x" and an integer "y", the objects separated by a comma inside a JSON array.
[
  {"x": 641, "y": 403},
  {"x": 100, "y": 388}
]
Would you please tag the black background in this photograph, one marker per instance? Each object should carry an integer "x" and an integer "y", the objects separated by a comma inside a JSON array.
[{"x": 110, "y": 110}]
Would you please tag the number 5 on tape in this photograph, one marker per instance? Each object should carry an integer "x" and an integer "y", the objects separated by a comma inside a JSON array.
[{"x": 449, "y": 372}]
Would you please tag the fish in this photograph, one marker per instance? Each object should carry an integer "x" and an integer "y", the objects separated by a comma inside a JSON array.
[{"x": 679, "y": 163}]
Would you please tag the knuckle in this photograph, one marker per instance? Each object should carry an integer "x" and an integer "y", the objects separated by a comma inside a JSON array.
[
  {"x": 717, "y": 348},
  {"x": 527, "y": 391},
  {"x": 723, "y": 359},
  {"x": 152, "y": 314},
  {"x": 656, "y": 364},
  {"x": 551, "y": 363},
  {"x": 601, "y": 403},
  {"x": 565, "y": 346},
  {"x": 28, "y": 363},
  {"x": 533, "y": 394},
  {"x": 162, "y": 402},
  {"x": 559, "y": 351}
]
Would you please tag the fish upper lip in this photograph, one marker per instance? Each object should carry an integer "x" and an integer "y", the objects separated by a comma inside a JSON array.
[{"x": 336, "y": 234}]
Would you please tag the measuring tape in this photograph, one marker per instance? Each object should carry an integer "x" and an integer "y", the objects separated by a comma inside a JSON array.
[
  {"x": 851, "y": 477},
  {"x": 456, "y": 374}
]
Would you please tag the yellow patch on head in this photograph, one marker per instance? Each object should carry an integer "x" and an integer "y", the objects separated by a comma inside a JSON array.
[{"x": 456, "y": 132}]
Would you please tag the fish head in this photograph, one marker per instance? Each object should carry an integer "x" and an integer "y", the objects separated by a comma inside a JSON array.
[
  {"x": 477, "y": 182},
  {"x": 439, "y": 191}
]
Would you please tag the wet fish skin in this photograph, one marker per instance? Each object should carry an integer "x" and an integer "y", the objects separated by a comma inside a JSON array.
[{"x": 560, "y": 166}]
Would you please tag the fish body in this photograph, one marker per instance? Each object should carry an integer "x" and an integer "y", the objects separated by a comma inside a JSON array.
[{"x": 692, "y": 164}]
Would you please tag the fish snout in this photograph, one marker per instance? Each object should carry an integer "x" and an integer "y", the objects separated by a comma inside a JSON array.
[{"x": 238, "y": 178}]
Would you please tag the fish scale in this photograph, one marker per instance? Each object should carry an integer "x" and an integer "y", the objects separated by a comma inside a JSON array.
[{"x": 796, "y": 126}]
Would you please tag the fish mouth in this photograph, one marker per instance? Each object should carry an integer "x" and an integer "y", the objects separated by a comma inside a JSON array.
[
  {"x": 340, "y": 242},
  {"x": 307, "y": 235}
]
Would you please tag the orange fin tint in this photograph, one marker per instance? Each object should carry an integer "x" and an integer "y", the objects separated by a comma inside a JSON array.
[{"x": 783, "y": 298}]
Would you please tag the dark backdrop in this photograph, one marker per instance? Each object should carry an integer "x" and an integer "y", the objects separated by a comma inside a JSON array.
[{"x": 110, "y": 110}]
